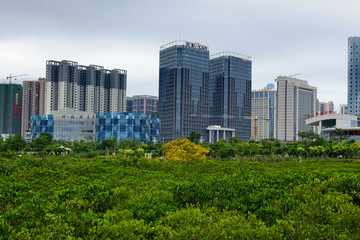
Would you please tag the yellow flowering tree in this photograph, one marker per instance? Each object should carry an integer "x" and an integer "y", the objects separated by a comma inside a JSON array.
[{"x": 183, "y": 150}]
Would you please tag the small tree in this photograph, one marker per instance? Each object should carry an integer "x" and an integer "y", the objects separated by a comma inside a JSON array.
[
  {"x": 42, "y": 141},
  {"x": 15, "y": 143},
  {"x": 1, "y": 143},
  {"x": 339, "y": 135},
  {"x": 109, "y": 145},
  {"x": 183, "y": 150},
  {"x": 194, "y": 137}
]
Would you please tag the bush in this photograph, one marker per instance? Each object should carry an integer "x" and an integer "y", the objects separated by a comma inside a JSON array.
[
  {"x": 183, "y": 150},
  {"x": 8, "y": 154}
]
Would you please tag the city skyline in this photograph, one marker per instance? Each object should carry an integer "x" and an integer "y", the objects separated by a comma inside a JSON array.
[{"x": 282, "y": 37}]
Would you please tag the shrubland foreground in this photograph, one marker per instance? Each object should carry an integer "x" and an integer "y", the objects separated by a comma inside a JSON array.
[{"x": 136, "y": 198}]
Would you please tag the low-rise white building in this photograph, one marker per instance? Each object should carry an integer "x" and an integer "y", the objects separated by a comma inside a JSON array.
[{"x": 328, "y": 123}]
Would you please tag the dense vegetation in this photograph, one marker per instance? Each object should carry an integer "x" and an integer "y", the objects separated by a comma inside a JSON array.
[
  {"x": 131, "y": 189},
  {"x": 117, "y": 197}
]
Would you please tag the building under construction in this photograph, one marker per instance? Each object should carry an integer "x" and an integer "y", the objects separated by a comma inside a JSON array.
[{"x": 10, "y": 109}]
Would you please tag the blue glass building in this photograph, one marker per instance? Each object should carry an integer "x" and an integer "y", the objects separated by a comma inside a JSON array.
[
  {"x": 183, "y": 90},
  {"x": 353, "y": 106},
  {"x": 64, "y": 127},
  {"x": 71, "y": 125},
  {"x": 230, "y": 92},
  {"x": 126, "y": 126}
]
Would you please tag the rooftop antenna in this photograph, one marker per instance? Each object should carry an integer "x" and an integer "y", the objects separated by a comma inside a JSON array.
[{"x": 294, "y": 75}]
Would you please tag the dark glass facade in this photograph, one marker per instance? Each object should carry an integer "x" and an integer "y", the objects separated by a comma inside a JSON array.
[
  {"x": 10, "y": 108},
  {"x": 129, "y": 104},
  {"x": 183, "y": 90},
  {"x": 230, "y": 93}
]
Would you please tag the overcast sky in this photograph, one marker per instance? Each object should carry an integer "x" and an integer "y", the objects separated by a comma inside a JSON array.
[{"x": 283, "y": 37}]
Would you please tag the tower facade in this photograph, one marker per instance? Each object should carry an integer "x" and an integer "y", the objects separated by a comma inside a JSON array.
[
  {"x": 230, "y": 92},
  {"x": 326, "y": 107},
  {"x": 183, "y": 89},
  {"x": 296, "y": 100},
  {"x": 85, "y": 88},
  {"x": 353, "y": 76},
  {"x": 263, "y": 111},
  {"x": 10, "y": 109},
  {"x": 144, "y": 104}
]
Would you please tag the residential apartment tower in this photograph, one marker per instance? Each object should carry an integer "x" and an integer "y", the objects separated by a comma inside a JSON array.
[
  {"x": 84, "y": 88},
  {"x": 263, "y": 113},
  {"x": 33, "y": 102}
]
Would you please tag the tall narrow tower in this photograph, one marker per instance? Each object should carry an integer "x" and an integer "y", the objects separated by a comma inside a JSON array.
[
  {"x": 33, "y": 96},
  {"x": 354, "y": 76}
]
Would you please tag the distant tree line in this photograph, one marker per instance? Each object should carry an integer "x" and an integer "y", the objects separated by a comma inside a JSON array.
[{"x": 311, "y": 145}]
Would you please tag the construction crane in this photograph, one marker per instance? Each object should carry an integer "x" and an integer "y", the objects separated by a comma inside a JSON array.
[
  {"x": 10, "y": 77},
  {"x": 255, "y": 126}
]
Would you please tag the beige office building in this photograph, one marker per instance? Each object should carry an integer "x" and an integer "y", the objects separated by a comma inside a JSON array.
[
  {"x": 296, "y": 101},
  {"x": 326, "y": 107}
]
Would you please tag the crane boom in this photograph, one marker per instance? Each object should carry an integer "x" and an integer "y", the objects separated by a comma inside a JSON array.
[{"x": 10, "y": 77}]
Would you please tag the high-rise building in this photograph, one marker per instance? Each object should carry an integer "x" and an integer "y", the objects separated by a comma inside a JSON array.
[
  {"x": 85, "y": 88},
  {"x": 183, "y": 89},
  {"x": 263, "y": 111},
  {"x": 326, "y": 107},
  {"x": 354, "y": 76},
  {"x": 343, "y": 109},
  {"x": 10, "y": 109},
  {"x": 296, "y": 101},
  {"x": 33, "y": 96},
  {"x": 230, "y": 92},
  {"x": 145, "y": 104}
]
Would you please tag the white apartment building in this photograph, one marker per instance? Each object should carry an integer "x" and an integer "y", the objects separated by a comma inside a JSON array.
[{"x": 84, "y": 88}]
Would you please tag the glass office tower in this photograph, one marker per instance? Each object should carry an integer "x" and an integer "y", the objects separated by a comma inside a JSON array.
[
  {"x": 230, "y": 92},
  {"x": 183, "y": 89},
  {"x": 353, "y": 76}
]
